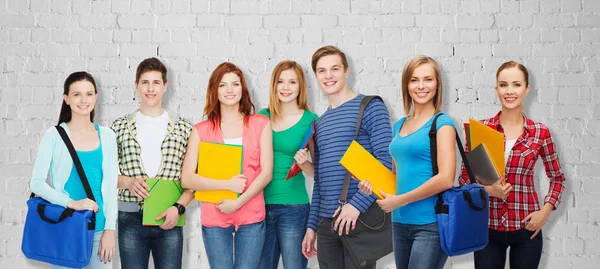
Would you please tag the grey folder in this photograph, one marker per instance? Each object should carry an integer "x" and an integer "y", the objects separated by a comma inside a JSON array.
[{"x": 482, "y": 166}]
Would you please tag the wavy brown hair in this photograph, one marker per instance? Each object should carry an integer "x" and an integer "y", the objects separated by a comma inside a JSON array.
[{"x": 212, "y": 109}]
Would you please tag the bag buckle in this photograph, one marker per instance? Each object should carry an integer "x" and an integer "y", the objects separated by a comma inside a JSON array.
[{"x": 342, "y": 203}]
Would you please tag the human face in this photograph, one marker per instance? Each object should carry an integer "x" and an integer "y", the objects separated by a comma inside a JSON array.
[
  {"x": 151, "y": 88},
  {"x": 511, "y": 88},
  {"x": 287, "y": 86},
  {"x": 422, "y": 85},
  {"x": 230, "y": 90},
  {"x": 81, "y": 98},
  {"x": 331, "y": 74}
]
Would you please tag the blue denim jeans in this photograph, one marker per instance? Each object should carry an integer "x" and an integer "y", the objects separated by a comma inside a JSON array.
[
  {"x": 95, "y": 262},
  {"x": 418, "y": 246},
  {"x": 219, "y": 244},
  {"x": 286, "y": 226},
  {"x": 524, "y": 251},
  {"x": 136, "y": 241}
]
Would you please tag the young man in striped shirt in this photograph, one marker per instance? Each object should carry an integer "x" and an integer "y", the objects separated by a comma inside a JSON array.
[{"x": 334, "y": 131}]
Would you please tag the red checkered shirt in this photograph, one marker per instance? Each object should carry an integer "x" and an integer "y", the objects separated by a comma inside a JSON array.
[{"x": 522, "y": 200}]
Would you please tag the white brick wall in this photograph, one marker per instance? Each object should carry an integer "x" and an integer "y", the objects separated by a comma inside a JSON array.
[{"x": 41, "y": 42}]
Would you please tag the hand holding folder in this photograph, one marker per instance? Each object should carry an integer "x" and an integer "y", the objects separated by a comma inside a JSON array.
[
  {"x": 162, "y": 195},
  {"x": 478, "y": 134},
  {"x": 219, "y": 162},
  {"x": 365, "y": 166},
  {"x": 482, "y": 166},
  {"x": 295, "y": 169}
]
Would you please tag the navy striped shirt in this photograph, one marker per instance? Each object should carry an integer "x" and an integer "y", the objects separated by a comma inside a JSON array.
[{"x": 334, "y": 131}]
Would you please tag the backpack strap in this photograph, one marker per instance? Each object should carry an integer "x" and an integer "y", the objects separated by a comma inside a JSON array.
[{"x": 363, "y": 105}]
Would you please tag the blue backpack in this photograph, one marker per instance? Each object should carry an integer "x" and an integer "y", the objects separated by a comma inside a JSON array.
[
  {"x": 58, "y": 235},
  {"x": 462, "y": 212}
]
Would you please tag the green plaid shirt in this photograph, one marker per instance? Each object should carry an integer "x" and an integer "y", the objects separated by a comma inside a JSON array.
[{"x": 173, "y": 151}]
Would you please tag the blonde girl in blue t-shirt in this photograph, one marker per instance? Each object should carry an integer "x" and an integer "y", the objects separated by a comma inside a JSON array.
[{"x": 415, "y": 230}]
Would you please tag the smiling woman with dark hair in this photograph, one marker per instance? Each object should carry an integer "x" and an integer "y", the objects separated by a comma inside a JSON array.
[{"x": 96, "y": 148}]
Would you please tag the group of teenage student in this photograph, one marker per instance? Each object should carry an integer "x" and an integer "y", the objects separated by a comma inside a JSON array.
[{"x": 275, "y": 217}]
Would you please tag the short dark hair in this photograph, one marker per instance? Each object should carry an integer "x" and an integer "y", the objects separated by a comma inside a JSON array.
[{"x": 151, "y": 64}]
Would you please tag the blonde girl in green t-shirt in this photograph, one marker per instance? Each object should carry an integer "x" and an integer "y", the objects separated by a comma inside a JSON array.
[{"x": 287, "y": 201}]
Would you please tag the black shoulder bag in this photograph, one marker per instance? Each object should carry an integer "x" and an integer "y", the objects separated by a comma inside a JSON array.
[{"x": 372, "y": 237}]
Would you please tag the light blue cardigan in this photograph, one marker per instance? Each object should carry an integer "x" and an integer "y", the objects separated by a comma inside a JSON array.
[{"x": 54, "y": 156}]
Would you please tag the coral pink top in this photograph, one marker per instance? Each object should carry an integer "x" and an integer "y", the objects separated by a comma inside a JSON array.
[{"x": 254, "y": 210}]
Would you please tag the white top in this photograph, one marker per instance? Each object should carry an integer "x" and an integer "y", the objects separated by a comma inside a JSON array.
[
  {"x": 233, "y": 141},
  {"x": 150, "y": 134},
  {"x": 509, "y": 145}
]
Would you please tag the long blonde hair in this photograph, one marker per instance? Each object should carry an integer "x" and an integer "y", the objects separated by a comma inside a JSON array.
[
  {"x": 301, "y": 100},
  {"x": 409, "y": 68}
]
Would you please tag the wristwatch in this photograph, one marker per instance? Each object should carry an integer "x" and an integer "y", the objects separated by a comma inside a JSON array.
[{"x": 180, "y": 208}]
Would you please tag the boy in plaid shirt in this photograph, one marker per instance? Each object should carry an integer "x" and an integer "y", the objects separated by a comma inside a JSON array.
[{"x": 151, "y": 144}]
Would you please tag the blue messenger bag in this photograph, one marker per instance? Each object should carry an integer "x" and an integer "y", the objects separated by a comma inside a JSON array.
[
  {"x": 462, "y": 212},
  {"x": 58, "y": 235}
]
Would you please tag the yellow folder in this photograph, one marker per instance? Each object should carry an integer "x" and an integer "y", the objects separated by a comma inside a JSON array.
[
  {"x": 492, "y": 140},
  {"x": 366, "y": 167},
  {"x": 220, "y": 162}
]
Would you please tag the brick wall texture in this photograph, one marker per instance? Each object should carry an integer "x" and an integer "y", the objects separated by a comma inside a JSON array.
[{"x": 42, "y": 41}]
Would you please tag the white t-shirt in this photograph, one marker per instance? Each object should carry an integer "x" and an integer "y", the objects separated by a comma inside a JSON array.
[
  {"x": 151, "y": 133},
  {"x": 233, "y": 141},
  {"x": 508, "y": 147}
]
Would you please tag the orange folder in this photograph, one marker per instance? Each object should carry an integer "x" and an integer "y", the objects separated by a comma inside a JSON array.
[
  {"x": 366, "y": 167},
  {"x": 220, "y": 162},
  {"x": 491, "y": 139}
]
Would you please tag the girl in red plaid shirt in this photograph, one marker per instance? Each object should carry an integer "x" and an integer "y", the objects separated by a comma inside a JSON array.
[{"x": 516, "y": 218}]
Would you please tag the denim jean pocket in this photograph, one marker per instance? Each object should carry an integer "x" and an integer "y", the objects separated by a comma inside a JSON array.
[{"x": 124, "y": 217}]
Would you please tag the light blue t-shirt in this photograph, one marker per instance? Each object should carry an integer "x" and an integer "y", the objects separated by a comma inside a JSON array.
[
  {"x": 91, "y": 161},
  {"x": 413, "y": 168}
]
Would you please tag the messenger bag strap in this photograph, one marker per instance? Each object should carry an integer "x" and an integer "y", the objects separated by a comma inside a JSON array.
[
  {"x": 433, "y": 150},
  {"x": 76, "y": 162},
  {"x": 363, "y": 105}
]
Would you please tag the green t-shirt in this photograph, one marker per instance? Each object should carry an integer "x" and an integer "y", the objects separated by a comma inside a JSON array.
[{"x": 285, "y": 146}]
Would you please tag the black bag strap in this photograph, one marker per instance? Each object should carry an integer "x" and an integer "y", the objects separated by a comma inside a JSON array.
[
  {"x": 433, "y": 150},
  {"x": 363, "y": 105},
  {"x": 65, "y": 214},
  {"x": 440, "y": 207},
  {"x": 76, "y": 162},
  {"x": 467, "y": 197}
]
